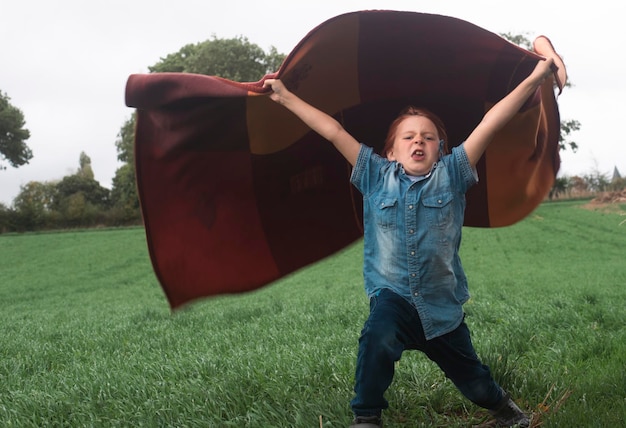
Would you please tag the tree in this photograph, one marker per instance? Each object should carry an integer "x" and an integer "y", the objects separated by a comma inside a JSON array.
[
  {"x": 92, "y": 191},
  {"x": 13, "y": 135},
  {"x": 273, "y": 60},
  {"x": 85, "y": 170},
  {"x": 80, "y": 201},
  {"x": 79, "y": 198},
  {"x": 33, "y": 205},
  {"x": 559, "y": 187},
  {"x": 235, "y": 59},
  {"x": 37, "y": 195},
  {"x": 521, "y": 40},
  {"x": 124, "y": 142},
  {"x": 75, "y": 200},
  {"x": 596, "y": 181},
  {"x": 567, "y": 127},
  {"x": 124, "y": 191},
  {"x": 578, "y": 185},
  {"x": 5, "y": 218}
]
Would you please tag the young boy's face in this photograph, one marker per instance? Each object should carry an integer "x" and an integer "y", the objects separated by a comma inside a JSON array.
[{"x": 416, "y": 145}]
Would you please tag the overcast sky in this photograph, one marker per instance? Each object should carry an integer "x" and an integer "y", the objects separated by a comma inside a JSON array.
[{"x": 65, "y": 63}]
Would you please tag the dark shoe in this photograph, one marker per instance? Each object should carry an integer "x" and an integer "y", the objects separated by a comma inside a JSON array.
[
  {"x": 367, "y": 422},
  {"x": 508, "y": 414}
]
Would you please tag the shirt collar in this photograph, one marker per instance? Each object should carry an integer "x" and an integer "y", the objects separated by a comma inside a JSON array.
[{"x": 416, "y": 178}]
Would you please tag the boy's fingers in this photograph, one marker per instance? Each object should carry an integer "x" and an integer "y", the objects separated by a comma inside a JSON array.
[{"x": 543, "y": 46}]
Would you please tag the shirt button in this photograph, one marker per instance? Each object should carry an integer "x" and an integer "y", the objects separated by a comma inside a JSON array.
[
  {"x": 412, "y": 253},
  {"x": 410, "y": 207},
  {"x": 416, "y": 294},
  {"x": 413, "y": 275},
  {"x": 410, "y": 230},
  {"x": 439, "y": 201}
]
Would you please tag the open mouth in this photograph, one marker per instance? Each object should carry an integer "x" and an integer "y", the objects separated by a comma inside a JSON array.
[{"x": 417, "y": 154}]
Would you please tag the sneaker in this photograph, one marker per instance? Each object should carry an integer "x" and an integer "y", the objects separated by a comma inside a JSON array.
[
  {"x": 508, "y": 414},
  {"x": 367, "y": 422}
]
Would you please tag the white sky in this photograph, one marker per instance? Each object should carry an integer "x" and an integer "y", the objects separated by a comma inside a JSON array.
[{"x": 65, "y": 63}]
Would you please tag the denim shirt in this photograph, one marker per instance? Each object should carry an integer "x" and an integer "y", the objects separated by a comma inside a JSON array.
[{"x": 412, "y": 234}]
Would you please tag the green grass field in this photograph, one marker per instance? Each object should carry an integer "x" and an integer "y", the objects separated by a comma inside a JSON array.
[{"x": 87, "y": 337}]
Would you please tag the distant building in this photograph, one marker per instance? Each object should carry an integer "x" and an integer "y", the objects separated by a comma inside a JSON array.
[{"x": 616, "y": 175}]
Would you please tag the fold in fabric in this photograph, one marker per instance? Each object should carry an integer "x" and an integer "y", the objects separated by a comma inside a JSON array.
[{"x": 237, "y": 192}]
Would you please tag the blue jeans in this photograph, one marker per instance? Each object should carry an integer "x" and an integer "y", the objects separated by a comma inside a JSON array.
[{"x": 393, "y": 326}]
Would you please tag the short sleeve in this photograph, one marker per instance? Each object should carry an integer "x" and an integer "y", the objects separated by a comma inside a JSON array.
[
  {"x": 367, "y": 170},
  {"x": 468, "y": 176}
]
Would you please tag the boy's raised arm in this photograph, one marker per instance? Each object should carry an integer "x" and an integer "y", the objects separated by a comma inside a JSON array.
[
  {"x": 504, "y": 110},
  {"x": 316, "y": 119}
]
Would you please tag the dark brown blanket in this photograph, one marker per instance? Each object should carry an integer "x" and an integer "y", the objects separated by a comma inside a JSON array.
[{"x": 237, "y": 192}]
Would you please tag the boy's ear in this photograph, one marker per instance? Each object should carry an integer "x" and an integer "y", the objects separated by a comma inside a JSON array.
[{"x": 390, "y": 155}]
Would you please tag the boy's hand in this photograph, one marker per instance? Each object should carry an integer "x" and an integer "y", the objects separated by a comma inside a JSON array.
[
  {"x": 278, "y": 89},
  {"x": 543, "y": 70},
  {"x": 543, "y": 46}
]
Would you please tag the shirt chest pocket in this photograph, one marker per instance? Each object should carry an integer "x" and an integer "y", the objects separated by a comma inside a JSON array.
[
  {"x": 386, "y": 213},
  {"x": 439, "y": 209}
]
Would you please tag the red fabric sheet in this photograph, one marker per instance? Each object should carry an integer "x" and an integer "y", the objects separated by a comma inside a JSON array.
[{"x": 236, "y": 192}]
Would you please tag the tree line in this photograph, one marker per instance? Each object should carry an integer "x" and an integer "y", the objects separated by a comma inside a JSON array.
[
  {"x": 78, "y": 200},
  {"x": 586, "y": 185}
]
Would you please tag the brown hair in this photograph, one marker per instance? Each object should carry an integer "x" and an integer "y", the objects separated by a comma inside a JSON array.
[{"x": 414, "y": 111}]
